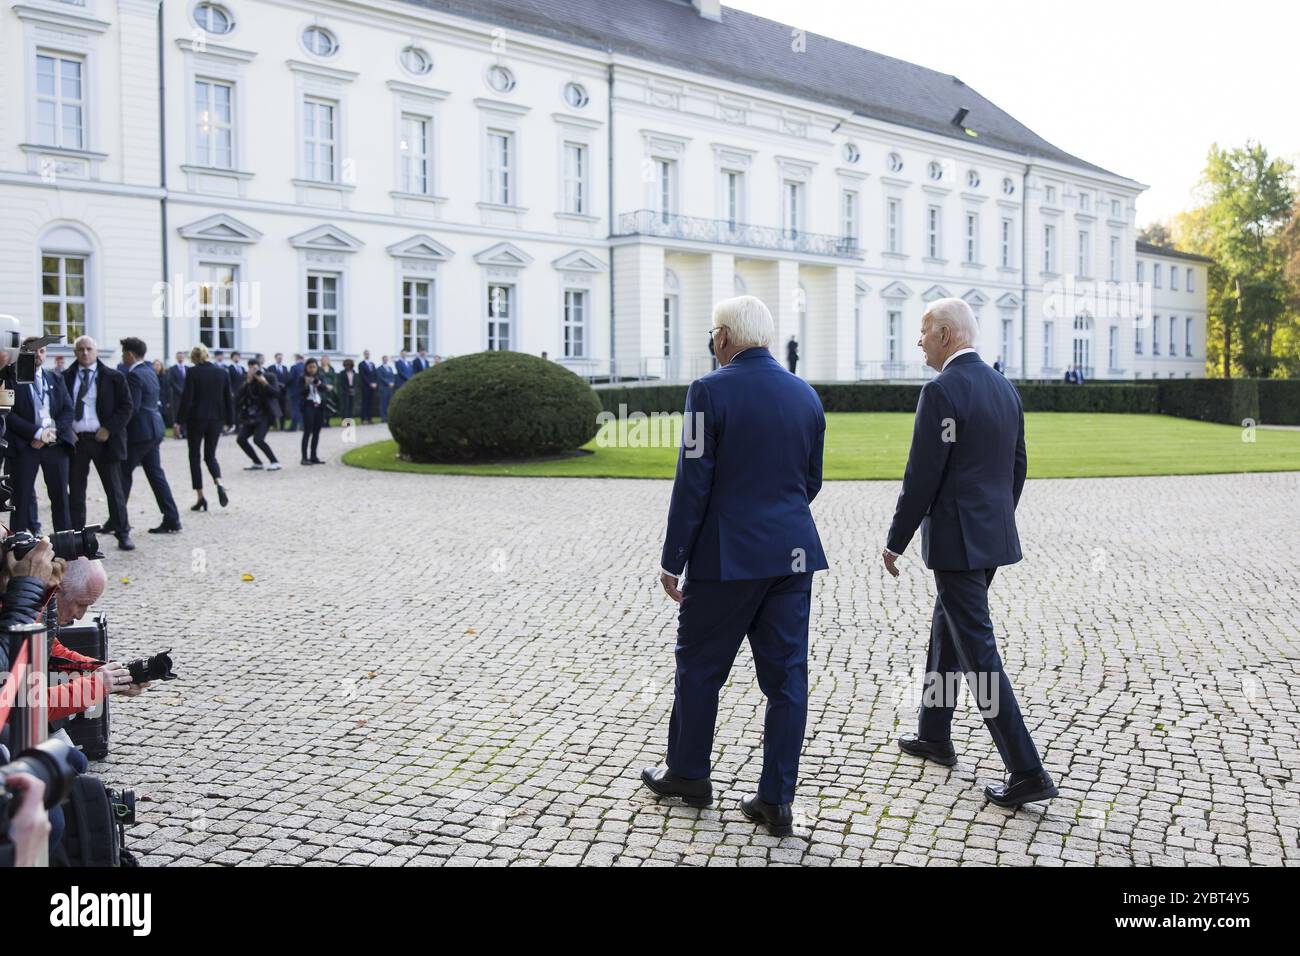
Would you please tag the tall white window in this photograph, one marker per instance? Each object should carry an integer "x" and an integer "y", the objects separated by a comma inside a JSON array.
[
  {"x": 665, "y": 189},
  {"x": 1187, "y": 337},
  {"x": 500, "y": 311},
  {"x": 849, "y": 216},
  {"x": 320, "y": 140},
  {"x": 793, "y": 208},
  {"x": 933, "y": 222},
  {"x": 63, "y": 296},
  {"x": 1155, "y": 335},
  {"x": 1141, "y": 270},
  {"x": 415, "y": 154},
  {"x": 1114, "y": 259},
  {"x": 892, "y": 213},
  {"x": 501, "y": 167},
  {"x": 670, "y": 315},
  {"x": 1085, "y": 257},
  {"x": 1085, "y": 202},
  {"x": 893, "y": 325},
  {"x": 733, "y": 185},
  {"x": 1006, "y": 342},
  {"x": 1137, "y": 340},
  {"x": 1173, "y": 278},
  {"x": 1083, "y": 343},
  {"x": 217, "y": 292},
  {"x": 1049, "y": 332},
  {"x": 1049, "y": 194},
  {"x": 214, "y": 126},
  {"x": 1049, "y": 248},
  {"x": 1155, "y": 274},
  {"x": 575, "y": 323},
  {"x": 322, "y": 312},
  {"x": 417, "y": 314},
  {"x": 60, "y": 101},
  {"x": 972, "y": 237},
  {"x": 1008, "y": 234},
  {"x": 575, "y": 178},
  {"x": 1189, "y": 280},
  {"x": 1113, "y": 350},
  {"x": 1173, "y": 331}
]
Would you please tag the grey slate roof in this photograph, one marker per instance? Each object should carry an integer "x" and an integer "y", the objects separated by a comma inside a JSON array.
[
  {"x": 755, "y": 51},
  {"x": 1150, "y": 249}
]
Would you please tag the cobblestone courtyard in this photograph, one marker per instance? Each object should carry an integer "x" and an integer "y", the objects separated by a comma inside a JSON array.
[{"x": 471, "y": 671}]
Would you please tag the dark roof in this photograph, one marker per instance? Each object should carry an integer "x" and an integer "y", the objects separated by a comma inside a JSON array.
[
  {"x": 1151, "y": 249},
  {"x": 757, "y": 52}
]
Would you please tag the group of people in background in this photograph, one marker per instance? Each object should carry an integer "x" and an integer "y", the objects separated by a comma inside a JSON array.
[{"x": 70, "y": 418}]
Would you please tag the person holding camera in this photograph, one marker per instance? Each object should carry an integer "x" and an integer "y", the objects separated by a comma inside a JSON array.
[
  {"x": 29, "y": 828},
  {"x": 258, "y": 406},
  {"x": 315, "y": 391},
  {"x": 40, "y": 439},
  {"x": 206, "y": 405}
]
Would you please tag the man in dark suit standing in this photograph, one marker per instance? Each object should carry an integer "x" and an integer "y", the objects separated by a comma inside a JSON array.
[
  {"x": 386, "y": 376},
  {"x": 101, "y": 409},
  {"x": 421, "y": 362},
  {"x": 281, "y": 373},
  {"x": 792, "y": 355},
  {"x": 144, "y": 434},
  {"x": 964, "y": 476},
  {"x": 294, "y": 393},
  {"x": 40, "y": 439},
  {"x": 740, "y": 527},
  {"x": 369, "y": 387},
  {"x": 176, "y": 376},
  {"x": 403, "y": 369}
]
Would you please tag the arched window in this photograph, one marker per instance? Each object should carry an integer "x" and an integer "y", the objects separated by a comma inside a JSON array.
[{"x": 66, "y": 283}]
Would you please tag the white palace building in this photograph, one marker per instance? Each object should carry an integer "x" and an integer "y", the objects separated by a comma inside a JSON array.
[{"x": 580, "y": 178}]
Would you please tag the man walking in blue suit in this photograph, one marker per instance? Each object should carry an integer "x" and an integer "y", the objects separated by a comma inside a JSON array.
[
  {"x": 740, "y": 526},
  {"x": 41, "y": 439},
  {"x": 964, "y": 476},
  {"x": 144, "y": 433}
]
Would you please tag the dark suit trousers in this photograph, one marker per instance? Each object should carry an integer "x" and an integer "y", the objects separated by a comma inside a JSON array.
[
  {"x": 368, "y": 396},
  {"x": 385, "y": 393},
  {"x": 205, "y": 434},
  {"x": 144, "y": 454},
  {"x": 53, "y": 461},
  {"x": 962, "y": 642},
  {"x": 714, "y": 619},
  {"x": 89, "y": 451},
  {"x": 255, "y": 430}
]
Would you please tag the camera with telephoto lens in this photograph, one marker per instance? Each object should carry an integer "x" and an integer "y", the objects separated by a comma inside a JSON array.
[
  {"x": 158, "y": 667},
  {"x": 68, "y": 545},
  {"x": 48, "y": 763}
]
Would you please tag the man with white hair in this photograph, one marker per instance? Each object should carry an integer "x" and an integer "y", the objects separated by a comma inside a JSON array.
[
  {"x": 964, "y": 476},
  {"x": 740, "y": 527}
]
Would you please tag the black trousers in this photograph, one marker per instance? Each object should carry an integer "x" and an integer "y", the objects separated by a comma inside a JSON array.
[
  {"x": 313, "y": 417},
  {"x": 205, "y": 434},
  {"x": 368, "y": 397},
  {"x": 52, "y": 460},
  {"x": 257, "y": 431},
  {"x": 144, "y": 455},
  {"x": 962, "y": 642},
  {"x": 87, "y": 452}
]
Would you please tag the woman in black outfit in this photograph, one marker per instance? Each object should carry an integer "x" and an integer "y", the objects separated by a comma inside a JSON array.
[
  {"x": 315, "y": 398},
  {"x": 206, "y": 405},
  {"x": 258, "y": 406}
]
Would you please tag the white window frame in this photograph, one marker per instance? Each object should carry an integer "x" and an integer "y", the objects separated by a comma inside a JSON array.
[
  {"x": 665, "y": 188},
  {"x": 322, "y": 313},
  {"x": 933, "y": 231},
  {"x": 893, "y": 335},
  {"x": 412, "y": 319},
  {"x": 1049, "y": 345},
  {"x": 1155, "y": 335},
  {"x": 1114, "y": 259},
  {"x": 578, "y": 300},
  {"x": 500, "y": 168},
  {"x": 416, "y": 160},
  {"x": 1049, "y": 248},
  {"x": 1189, "y": 327},
  {"x": 1173, "y": 278},
  {"x": 894, "y": 224},
  {"x": 850, "y": 204},
  {"x": 208, "y": 157},
  {"x": 1173, "y": 336},
  {"x": 1155, "y": 275},
  {"x": 1008, "y": 239},
  {"x": 1113, "y": 348},
  {"x": 492, "y": 321},
  {"x": 793, "y": 207},
  {"x": 59, "y": 57},
  {"x": 1189, "y": 286},
  {"x": 1007, "y": 340},
  {"x": 62, "y": 297},
  {"x": 972, "y": 238},
  {"x": 1084, "y": 264},
  {"x": 577, "y": 177},
  {"x": 313, "y": 143}
]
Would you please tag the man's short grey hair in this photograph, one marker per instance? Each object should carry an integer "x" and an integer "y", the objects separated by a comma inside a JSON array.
[
  {"x": 85, "y": 338},
  {"x": 83, "y": 575},
  {"x": 957, "y": 317},
  {"x": 747, "y": 320}
]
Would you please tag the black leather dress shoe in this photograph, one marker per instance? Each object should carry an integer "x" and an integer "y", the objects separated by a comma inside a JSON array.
[
  {"x": 940, "y": 751},
  {"x": 664, "y": 783},
  {"x": 165, "y": 528},
  {"x": 777, "y": 817},
  {"x": 124, "y": 542},
  {"x": 1020, "y": 789}
]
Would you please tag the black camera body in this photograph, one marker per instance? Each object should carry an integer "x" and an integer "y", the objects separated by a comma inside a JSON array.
[
  {"x": 68, "y": 545},
  {"x": 157, "y": 667},
  {"x": 47, "y": 762}
]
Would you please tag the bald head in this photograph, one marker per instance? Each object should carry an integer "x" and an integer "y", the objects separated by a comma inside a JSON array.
[{"x": 83, "y": 585}]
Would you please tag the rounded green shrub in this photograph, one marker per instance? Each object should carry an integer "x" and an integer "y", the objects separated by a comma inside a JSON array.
[{"x": 490, "y": 406}]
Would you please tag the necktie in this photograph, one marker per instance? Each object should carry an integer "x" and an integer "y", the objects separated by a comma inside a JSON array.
[{"x": 79, "y": 410}]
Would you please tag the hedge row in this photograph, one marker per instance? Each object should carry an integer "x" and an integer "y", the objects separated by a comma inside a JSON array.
[
  {"x": 1269, "y": 401},
  {"x": 868, "y": 397}
]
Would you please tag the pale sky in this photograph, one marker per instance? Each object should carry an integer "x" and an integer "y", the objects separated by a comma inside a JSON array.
[{"x": 1139, "y": 87}]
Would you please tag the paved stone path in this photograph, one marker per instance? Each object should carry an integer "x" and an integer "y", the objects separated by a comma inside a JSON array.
[{"x": 471, "y": 671}]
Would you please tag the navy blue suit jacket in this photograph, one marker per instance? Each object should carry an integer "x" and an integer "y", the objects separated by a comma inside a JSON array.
[
  {"x": 175, "y": 374},
  {"x": 385, "y": 375},
  {"x": 404, "y": 371},
  {"x": 739, "y": 509},
  {"x": 22, "y": 424},
  {"x": 146, "y": 422},
  {"x": 366, "y": 369},
  {"x": 965, "y": 471}
]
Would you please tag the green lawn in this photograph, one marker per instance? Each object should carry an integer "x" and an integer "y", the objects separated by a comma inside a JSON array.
[{"x": 874, "y": 445}]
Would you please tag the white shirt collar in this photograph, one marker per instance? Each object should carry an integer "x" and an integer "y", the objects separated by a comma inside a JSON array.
[{"x": 949, "y": 359}]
